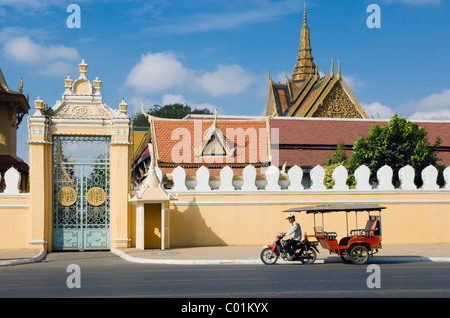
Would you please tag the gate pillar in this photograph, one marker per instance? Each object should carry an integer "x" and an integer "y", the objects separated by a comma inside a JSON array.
[{"x": 40, "y": 177}]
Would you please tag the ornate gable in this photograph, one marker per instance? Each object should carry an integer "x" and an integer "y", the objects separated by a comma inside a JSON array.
[
  {"x": 214, "y": 143},
  {"x": 82, "y": 99},
  {"x": 337, "y": 104}
]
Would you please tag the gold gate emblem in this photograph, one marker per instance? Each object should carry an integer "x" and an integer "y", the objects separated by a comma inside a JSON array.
[
  {"x": 67, "y": 196},
  {"x": 96, "y": 196}
]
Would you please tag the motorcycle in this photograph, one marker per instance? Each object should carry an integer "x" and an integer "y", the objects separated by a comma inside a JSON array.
[{"x": 304, "y": 251}]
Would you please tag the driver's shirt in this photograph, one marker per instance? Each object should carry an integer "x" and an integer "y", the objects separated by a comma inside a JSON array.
[{"x": 296, "y": 231}]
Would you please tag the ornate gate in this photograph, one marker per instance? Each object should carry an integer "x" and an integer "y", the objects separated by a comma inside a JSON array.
[{"x": 81, "y": 199}]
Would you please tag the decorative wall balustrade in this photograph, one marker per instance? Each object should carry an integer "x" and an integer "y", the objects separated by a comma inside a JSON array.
[
  {"x": 292, "y": 180},
  {"x": 12, "y": 181}
]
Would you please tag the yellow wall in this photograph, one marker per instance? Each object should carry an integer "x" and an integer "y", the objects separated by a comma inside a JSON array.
[
  {"x": 413, "y": 217},
  {"x": 14, "y": 221}
]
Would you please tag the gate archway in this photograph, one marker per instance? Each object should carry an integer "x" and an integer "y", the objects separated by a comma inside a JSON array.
[
  {"x": 81, "y": 193},
  {"x": 80, "y": 163}
]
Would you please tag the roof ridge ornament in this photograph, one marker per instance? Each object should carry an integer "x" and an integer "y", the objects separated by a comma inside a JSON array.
[
  {"x": 339, "y": 76},
  {"x": 82, "y": 68}
]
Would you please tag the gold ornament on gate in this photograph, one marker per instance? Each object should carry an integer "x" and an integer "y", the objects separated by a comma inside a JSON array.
[
  {"x": 96, "y": 196},
  {"x": 67, "y": 196}
]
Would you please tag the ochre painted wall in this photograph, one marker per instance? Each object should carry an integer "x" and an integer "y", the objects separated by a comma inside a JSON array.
[
  {"x": 15, "y": 222},
  {"x": 413, "y": 217}
]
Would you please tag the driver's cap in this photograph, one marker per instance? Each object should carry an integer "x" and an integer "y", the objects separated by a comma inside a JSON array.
[{"x": 290, "y": 215}]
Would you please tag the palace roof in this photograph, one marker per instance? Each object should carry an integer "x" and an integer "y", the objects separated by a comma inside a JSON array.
[
  {"x": 208, "y": 141},
  {"x": 20, "y": 103},
  {"x": 307, "y": 94},
  {"x": 307, "y": 142}
]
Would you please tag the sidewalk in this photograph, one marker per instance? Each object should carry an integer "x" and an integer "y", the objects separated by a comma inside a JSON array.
[
  {"x": 251, "y": 255},
  {"x": 10, "y": 257},
  {"x": 240, "y": 255}
]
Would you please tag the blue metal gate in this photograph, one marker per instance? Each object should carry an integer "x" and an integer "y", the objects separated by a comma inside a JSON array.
[{"x": 81, "y": 199}]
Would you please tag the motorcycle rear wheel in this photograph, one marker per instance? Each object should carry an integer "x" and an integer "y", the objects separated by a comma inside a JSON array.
[
  {"x": 268, "y": 257},
  {"x": 312, "y": 256}
]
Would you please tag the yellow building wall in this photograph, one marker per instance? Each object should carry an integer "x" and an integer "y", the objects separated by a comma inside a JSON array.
[
  {"x": 14, "y": 221},
  {"x": 120, "y": 187},
  {"x": 411, "y": 217},
  {"x": 416, "y": 217}
]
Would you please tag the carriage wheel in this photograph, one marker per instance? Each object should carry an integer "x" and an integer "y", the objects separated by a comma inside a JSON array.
[{"x": 359, "y": 255}]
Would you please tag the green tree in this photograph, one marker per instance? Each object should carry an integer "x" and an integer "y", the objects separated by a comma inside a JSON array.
[
  {"x": 167, "y": 111},
  {"x": 397, "y": 144},
  {"x": 337, "y": 158}
]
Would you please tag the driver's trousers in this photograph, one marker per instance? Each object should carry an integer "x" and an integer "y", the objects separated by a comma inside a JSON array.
[{"x": 289, "y": 244}]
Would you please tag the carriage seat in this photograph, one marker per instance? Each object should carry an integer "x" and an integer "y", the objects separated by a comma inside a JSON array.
[
  {"x": 329, "y": 235},
  {"x": 372, "y": 229}
]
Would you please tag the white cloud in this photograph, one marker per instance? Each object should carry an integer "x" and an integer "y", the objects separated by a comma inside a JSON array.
[
  {"x": 441, "y": 114},
  {"x": 173, "y": 99},
  {"x": 47, "y": 60},
  {"x": 353, "y": 82},
  {"x": 168, "y": 99},
  {"x": 227, "y": 79},
  {"x": 436, "y": 101},
  {"x": 23, "y": 3},
  {"x": 377, "y": 110},
  {"x": 32, "y": 6},
  {"x": 433, "y": 107},
  {"x": 159, "y": 72}
]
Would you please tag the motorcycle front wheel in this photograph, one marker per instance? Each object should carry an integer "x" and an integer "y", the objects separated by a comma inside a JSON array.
[
  {"x": 311, "y": 257},
  {"x": 268, "y": 257}
]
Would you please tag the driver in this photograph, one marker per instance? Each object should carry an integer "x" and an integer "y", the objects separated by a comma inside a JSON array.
[{"x": 296, "y": 232}]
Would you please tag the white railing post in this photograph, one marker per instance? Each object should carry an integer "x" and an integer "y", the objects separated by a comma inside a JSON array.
[
  {"x": 272, "y": 177},
  {"x": 12, "y": 181}
]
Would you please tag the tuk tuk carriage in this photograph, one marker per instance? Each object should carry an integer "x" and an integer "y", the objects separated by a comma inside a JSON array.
[{"x": 360, "y": 243}]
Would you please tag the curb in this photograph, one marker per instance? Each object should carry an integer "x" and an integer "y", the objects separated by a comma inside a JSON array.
[
  {"x": 35, "y": 259},
  {"x": 378, "y": 260},
  {"x": 133, "y": 259}
]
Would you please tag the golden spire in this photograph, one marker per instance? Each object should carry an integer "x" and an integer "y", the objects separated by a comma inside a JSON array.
[{"x": 305, "y": 66}]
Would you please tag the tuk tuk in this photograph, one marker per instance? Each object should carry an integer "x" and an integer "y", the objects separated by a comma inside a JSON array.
[{"x": 360, "y": 243}]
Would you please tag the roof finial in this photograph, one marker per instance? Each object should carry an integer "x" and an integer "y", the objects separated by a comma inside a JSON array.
[
  {"x": 304, "y": 16},
  {"x": 332, "y": 67},
  {"x": 339, "y": 76},
  {"x": 21, "y": 86},
  {"x": 305, "y": 61},
  {"x": 215, "y": 118}
]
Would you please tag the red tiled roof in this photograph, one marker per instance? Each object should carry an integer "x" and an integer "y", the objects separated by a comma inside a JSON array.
[
  {"x": 308, "y": 142},
  {"x": 172, "y": 137},
  {"x": 305, "y": 142}
]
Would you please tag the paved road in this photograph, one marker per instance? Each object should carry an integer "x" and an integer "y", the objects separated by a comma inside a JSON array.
[{"x": 103, "y": 274}]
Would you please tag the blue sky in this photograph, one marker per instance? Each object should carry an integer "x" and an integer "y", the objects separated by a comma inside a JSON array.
[{"x": 217, "y": 53}]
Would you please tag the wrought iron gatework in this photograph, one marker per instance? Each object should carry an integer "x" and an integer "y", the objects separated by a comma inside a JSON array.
[{"x": 81, "y": 193}]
